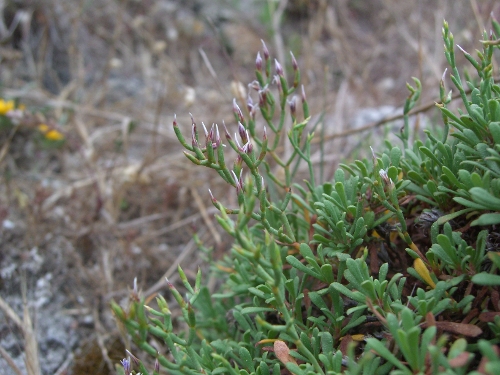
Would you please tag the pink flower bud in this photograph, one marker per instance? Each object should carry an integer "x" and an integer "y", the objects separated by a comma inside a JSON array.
[
  {"x": 295, "y": 66},
  {"x": 276, "y": 80},
  {"x": 278, "y": 68},
  {"x": 237, "y": 111},
  {"x": 228, "y": 136},
  {"x": 243, "y": 133},
  {"x": 214, "y": 201},
  {"x": 238, "y": 182},
  {"x": 205, "y": 129},
  {"x": 265, "y": 51},
  {"x": 254, "y": 85},
  {"x": 262, "y": 98},
  {"x": 194, "y": 141},
  {"x": 258, "y": 62},
  {"x": 303, "y": 96},
  {"x": 249, "y": 104}
]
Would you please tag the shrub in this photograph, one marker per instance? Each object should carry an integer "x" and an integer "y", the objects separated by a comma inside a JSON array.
[{"x": 390, "y": 268}]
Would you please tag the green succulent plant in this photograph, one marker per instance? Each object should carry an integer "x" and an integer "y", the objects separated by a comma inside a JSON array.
[{"x": 392, "y": 267}]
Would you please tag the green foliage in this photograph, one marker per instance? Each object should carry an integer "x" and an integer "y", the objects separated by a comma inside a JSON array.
[{"x": 397, "y": 254}]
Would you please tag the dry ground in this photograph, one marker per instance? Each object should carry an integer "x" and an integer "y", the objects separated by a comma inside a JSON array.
[{"x": 119, "y": 200}]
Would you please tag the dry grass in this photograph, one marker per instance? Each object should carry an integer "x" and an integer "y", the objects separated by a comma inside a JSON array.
[{"x": 119, "y": 201}]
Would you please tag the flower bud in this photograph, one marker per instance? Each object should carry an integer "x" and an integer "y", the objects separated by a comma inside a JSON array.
[
  {"x": 214, "y": 201},
  {"x": 258, "y": 62},
  {"x": 277, "y": 81},
  {"x": 249, "y": 103},
  {"x": 249, "y": 148},
  {"x": 133, "y": 357},
  {"x": 243, "y": 133},
  {"x": 194, "y": 141},
  {"x": 385, "y": 178},
  {"x": 303, "y": 95},
  {"x": 254, "y": 85},
  {"x": 295, "y": 65},
  {"x": 237, "y": 112},
  {"x": 262, "y": 98},
  {"x": 265, "y": 51},
  {"x": 194, "y": 133},
  {"x": 278, "y": 68},
  {"x": 126, "y": 366},
  {"x": 228, "y": 136},
  {"x": 238, "y": 182},
  {"x": 217, "y": 141}
]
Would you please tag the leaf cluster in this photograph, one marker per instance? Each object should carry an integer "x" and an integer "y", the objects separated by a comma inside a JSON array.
[{"x": 392, "y": 267}]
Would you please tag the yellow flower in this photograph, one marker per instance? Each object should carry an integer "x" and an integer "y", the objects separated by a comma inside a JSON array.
[
  {"x": 6, "y": 106},
  {"x": 54, "y": 135},
  {"x": 43, "y": 128}
]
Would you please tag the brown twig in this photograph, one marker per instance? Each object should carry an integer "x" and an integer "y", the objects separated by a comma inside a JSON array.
[
  {"x": 423, "y": 108},
  {"x": 10, "y": 361}
]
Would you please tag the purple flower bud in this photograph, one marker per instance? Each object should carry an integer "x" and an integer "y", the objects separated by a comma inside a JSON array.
[
  {"x": 134, "y": 294},
  {"x": 157, "y": 366},
  {"x": 205, "y": 128},
  {"x": 258, "y": 62},
  {"x": 249, "y": 103},
  {"x": 239, "y": 161},
  {"x": 265, "y": 134},
  {"x": 126, "y": 365},
  {"x": 134, "y": 358},
  {"x": 175, "y": 120},
  {"x": 209, "y": 135},
  {"x": 243, "y": 133},
  {"x": 249, "y": 147},
  {"x": 238, "y": 182},
  {"x": 217, "y": 141},
  {"x": 265, "y": 51},
  {"x": 385, "y": 178},
  {"x": 303, "y": 96},
  {"x": 253, "y": 112},
  {"x": 194, "y": 134},
  {"x": 255, "y": 85},
  {"x": 237, "y": 142},
  {"x": 237, "y": 111},
  {"x": 276, "y": 80},
  {"x": 278, "y": 68},
  {"x": 214, "y": 201},
  {"x": 295, "y": 66},
  {"x": 383, "y": 175},
  {"x": 228, "y": 136},
  {"x": 194, "y": 142},
  {"x": 262, "y": 98}
]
